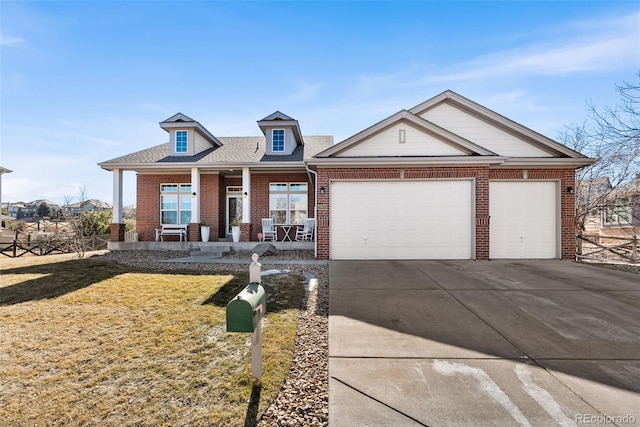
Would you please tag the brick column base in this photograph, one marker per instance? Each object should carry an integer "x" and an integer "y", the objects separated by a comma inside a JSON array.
[
  {"x": 245, "y": 232},
  {"x": 117, "y": 233},
  {"x": 193, "y": 235}
]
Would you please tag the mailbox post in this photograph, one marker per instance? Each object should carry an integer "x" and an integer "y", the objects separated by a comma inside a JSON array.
[{"x": 244, "y": 314}]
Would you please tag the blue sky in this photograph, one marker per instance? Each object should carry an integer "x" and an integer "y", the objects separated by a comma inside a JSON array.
[{"x": 84, "y": 82}]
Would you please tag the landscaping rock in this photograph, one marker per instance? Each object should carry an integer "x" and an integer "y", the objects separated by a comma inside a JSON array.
[{"x": 263, "y": 249}]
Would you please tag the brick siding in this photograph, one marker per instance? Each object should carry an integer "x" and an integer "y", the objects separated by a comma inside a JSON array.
[{"x": 482, "y": 176}]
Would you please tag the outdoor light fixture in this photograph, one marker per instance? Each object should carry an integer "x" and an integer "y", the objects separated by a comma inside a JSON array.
[
  {"x": 245, "y": 194},
  {"x": 570, "y": 190},
  {"x": 193, "y": 194},
  {"x": 321, "y": 190}
]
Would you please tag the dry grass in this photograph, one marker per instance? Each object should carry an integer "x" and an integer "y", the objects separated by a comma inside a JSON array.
[{"x": 90, "y": 342}]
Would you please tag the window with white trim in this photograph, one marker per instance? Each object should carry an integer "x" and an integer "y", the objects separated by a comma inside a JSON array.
[
  {"x": 182, "y": 141},
  {"x": 288, "y": 202},
  {"x": 175, "y": 203},
  {"x": 277, "y": 140}
]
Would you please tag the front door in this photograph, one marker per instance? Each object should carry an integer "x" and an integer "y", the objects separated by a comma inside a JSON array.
[{"x": 234, "y": 206}]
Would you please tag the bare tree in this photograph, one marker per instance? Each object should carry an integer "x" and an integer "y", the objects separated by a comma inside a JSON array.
[
  {"x": 612, "y": 136},
  {"x": 84, "y": 192},
  {"x": 76, "y": 239}
]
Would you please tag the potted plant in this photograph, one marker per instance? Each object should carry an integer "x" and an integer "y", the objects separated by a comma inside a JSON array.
[
  {"x": 235, "y": 229},
  {"x": 205, "y": 230}
]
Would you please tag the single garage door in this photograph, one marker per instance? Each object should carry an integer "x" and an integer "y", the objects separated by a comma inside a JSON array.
[
  {"x": 524, "y": 219},
  {"x": 401, "y": 219}
]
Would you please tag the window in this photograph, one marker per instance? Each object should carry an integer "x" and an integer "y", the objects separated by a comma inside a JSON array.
[
  {"x": 277, "y": 142},
  {"x": 288, "y": 202},
  {"x": 181, "y": 141},
  {"x": 175, "y": 203},
  {"x": 618, "y": 214}
]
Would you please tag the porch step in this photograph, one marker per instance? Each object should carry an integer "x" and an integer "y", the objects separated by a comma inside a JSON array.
[{"x": 214, "y": 252}]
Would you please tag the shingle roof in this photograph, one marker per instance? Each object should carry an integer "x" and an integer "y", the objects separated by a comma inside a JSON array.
[{"x": 234, "y": 150}]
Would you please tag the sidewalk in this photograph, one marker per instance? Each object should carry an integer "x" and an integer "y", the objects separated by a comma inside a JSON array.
[{"x": 211, "y": 260}]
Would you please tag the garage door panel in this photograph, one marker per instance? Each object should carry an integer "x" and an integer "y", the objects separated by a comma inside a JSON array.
[
  {"x": 401, "y": 220},
  {"x": 524, "y": 219}
]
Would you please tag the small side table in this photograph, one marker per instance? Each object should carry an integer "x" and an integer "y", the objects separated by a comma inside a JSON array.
[{"x": 287, "y": 230}]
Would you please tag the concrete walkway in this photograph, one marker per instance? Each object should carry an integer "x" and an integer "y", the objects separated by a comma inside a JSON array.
[
  {"x": 263, "y": 261},
  {"x": 440, "y": 343}
]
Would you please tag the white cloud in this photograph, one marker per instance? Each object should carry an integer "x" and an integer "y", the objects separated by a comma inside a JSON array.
[
  {"x": 10, "y": 41},
  {"x": 600, "y": 46},
  {"x": 582, "y": 46}
]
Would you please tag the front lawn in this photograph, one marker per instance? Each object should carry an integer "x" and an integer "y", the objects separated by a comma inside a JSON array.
[{"x": 92, "y": 342}]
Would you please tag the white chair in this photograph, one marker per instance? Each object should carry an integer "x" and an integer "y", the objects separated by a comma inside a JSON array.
[
  {"x": 269, "y": 230},
  {"x": 306, "y": 232}
]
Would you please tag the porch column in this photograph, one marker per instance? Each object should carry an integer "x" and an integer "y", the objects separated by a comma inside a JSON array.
[
  {"x": 245, "y": 227},
  {"x": 2, "y": 170},
  {"x": 194, "y": 226},
  {"x": 117, "y": 224}
]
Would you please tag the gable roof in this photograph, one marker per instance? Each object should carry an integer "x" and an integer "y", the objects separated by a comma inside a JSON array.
[
  {"x": 531, "y": 148},
  {"x": 462, "y": 144},
  {"x": 179, "y": 121},
  {"x": 495, "y": 119},
  {"x": 279, "y": 119},
  {"x": 278, "y": 116}
]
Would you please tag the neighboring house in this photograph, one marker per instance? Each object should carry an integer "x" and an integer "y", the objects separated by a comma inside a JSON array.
[
  {"x": 75, "y": 209},
  {"x": 14, "y": 210},
  {"x": 621, "y": 213},
  {"x": 447, "y": 179},
  {"x": 610, "y": 211},
  {"x": 30, "y": 209},
  {"x": 590, "y": 199},
  {"x": 22, "y": 210}
]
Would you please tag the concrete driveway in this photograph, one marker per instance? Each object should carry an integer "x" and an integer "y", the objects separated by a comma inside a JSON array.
[{"x": 441, "y": 343}]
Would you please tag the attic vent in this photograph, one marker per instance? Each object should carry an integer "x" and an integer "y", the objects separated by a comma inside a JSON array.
[{"x": 402, "y": 136}]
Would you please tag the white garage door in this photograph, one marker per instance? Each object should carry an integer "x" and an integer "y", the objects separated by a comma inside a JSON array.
[
  {"x": 401, "y": 219},
  {"x": 524, "y": 219}
]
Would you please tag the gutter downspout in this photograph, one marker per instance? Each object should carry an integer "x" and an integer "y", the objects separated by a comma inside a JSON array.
[{"x": 315, "y": 207}]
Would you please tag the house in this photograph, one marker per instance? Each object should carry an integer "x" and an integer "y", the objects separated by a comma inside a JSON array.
[
  {"x": 591, "y": 194},
  {"x": 30, "y": 209},
  {"x": 609, "y": 211},
  {"x": 446, "y": 179},
  {"x": 14, "y": 210},
  {"x": 94, "y": 205},
  {"x": 621, "y": 211},
  {"x": 198, "y": 177}
]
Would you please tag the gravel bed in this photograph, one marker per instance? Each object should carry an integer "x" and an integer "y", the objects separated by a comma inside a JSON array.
[{"x": 304, "y": 397}]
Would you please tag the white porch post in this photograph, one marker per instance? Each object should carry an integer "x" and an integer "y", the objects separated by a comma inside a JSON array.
[
  {"x": 1, "y": 172},
  {"x": 246, "y": 196},
  {"x": 196, "y": 196},
  {"x": 117, "y": 197}
]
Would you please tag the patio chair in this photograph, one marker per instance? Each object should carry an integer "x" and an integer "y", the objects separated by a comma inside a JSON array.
[
  {"x": 306, "y": 232},
  {"x": 269, "y": 230}
]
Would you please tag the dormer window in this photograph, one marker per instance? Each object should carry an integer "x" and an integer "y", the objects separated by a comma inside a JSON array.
[
  {"x": 277, "y": 142},
  {"x": 181, "y": 141}
]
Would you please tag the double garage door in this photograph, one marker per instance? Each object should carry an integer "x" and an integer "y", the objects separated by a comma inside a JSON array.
[{"x": 434, "y": 219}]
